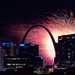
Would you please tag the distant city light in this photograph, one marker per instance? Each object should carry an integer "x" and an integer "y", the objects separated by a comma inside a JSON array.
[
  {"x": 4, "y": 43},
  {"x": 39, "y": 57},
  {"x": 22, "y": 44},
  {"x": 32, "y": 44}
]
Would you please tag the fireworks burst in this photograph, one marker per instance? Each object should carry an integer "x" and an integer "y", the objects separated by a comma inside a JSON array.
[{"x": 61, "y": 23}]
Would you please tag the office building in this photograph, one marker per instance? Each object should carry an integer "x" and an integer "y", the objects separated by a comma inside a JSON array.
[
  {"x": 27, "y": 57},
  {"x": 28, "y": 49},
  {"x": 65, "y": 51},
  {"x": 22, "y": 62},
  {"x": 9, "y": 48}
]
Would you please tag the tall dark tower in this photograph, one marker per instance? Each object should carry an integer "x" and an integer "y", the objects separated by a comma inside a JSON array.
[
  {"x": 34, "y": 49},
  {"x": 22, "y": 49},
  {"x": 65, "y": 54}
]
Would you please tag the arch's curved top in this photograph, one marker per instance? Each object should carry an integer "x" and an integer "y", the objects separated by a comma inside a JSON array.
[{"x": 44, "y": 28}]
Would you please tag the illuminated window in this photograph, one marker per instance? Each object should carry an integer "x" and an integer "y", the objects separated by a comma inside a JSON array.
[
  {"x": 8, "y": 64},
  {"x": 65, "y": 73},
  {"x": 26, "y": 58},
  {"x": 16, "y": 64},
  {"x": 68, "y": 40},
  {"x": 13, "y": 58},
  {"x": 22, "y": 58},
  {"x": 32, "y": 45},
  {"x": 72, "y": 51},
  {"x": 61, "y": 38},
  {"x": 68, "y": 53},
  {"x": 67, "y": 37},
  {"x": 18, "y": 58},
  {"x": 50, "y": 70},
  {"x": 5, "y": 43},
  {"x": 73, "y": 37},
  {"x": 13, "y": 64},
  {"x": 68, "y": 56},
  {"x": 71, "y": 44},
  {"x": 22, "y": 44},
  {"x": 19, "y": 66},
  {"x": 23, "y": 64},
  {"x": 68, "y": 61}
]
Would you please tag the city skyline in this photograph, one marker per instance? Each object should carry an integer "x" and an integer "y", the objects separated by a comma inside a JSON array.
[
  {"x": 64, "y": 50},
  {"x": 16, "y": 20}
]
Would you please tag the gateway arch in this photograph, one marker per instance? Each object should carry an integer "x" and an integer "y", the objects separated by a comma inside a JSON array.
[{"x": 51, "y": 36}]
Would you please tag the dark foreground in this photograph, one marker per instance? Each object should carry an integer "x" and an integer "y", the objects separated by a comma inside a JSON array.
[
  {"x": 69, "y": 71},
  {"x": 28, "y": 73}
]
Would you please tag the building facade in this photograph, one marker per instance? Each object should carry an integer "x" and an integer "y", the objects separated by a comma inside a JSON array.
[
  {"x": 27, "y": 57},
  {"x": 22, "y": 62},
  {"x": 65, "y": 51},
  {"x": 28, "y": 49},
  {"x": 9, "y": 48}
]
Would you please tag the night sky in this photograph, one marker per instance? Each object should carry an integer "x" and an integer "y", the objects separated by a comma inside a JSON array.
[
  {"x": 25, "y": 11},
  {"x": 17, "y": 16}
]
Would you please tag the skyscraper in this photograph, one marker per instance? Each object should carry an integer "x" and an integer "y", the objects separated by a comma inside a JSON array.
[{"x": 65, "y": 51}]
